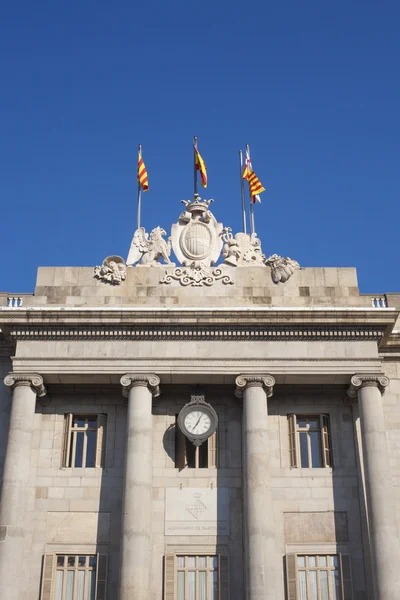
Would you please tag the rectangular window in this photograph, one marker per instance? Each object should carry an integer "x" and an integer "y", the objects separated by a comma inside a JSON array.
[
  {"x": 200, "y": 577},
  {"x": 309, "y": 441},
  {"x": 318, "y": 577},
  {"x": 195, "y": 457},
  {"x": 84, "y": 440},
  {"x": 74, "y": 577}
]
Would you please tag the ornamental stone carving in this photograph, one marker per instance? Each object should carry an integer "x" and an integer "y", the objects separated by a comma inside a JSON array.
[
  {"x": 267, "y": 382},
  {"x": 359, "y": 381},
  {"x": 196, "y": 238},
  {"x": 242, "y": 250},
  {"x": 148, "y": 251},
  {"x": 113, "y": 270},
  {"x": 281, "y": 267},
  {"x": 32, "y": 380},
  {"x": 150, "y": 381},
  {"x": 196, "y": 276}
]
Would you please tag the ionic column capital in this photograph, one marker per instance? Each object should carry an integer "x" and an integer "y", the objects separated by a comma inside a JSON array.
[
  {"x": 244, "y": 381},
  {"x": 32, "y": 380},
  {"x": 358, "y": 382},
  {"x": 149, "y": 380}
]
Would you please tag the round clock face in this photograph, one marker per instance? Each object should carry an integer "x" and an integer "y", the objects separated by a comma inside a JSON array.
[{"x": 197, "y": 422}]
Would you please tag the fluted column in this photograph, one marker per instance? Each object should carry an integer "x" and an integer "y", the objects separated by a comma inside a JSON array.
[
  {"x": 14, "y": 494},
  {"x": 137, "y": 493},
  {"x": 383, "y": 535},
  {"x": 258, "y": 517}
]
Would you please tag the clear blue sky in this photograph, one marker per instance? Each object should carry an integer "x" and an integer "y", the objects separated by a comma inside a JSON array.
[{"x": 312, "y": 86}]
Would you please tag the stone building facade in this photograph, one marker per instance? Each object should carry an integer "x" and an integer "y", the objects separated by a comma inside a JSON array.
[{"x": 295, "y": 496}]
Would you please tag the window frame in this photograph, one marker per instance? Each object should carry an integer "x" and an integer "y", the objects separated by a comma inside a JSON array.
[
  {"x": 171, "y": 569},
  {"x": 181, "y": 443},
  {"x": 70, "y": 440},
  {"x": 344, "y": 570},
  {"x": 325, "y": 442},
  {"x": 47, "y": 591}
]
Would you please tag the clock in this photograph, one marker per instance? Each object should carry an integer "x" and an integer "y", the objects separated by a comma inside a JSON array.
[{"x": 197, "y": 420}]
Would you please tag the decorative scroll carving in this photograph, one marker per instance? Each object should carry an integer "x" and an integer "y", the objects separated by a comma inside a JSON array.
[
  {"x": 265, "y": 381},
  {"x": 32, "y": 380},
  {"x": 196, "y": 276},
  {"x": 281, "y": 268},
  {"x": 113, "y": 270},
  {"x": 359, "y": 381},
  {"x": 149, "y": 250},
  {"x": 150, "y": 381},
  {"x": 242, "y": 250}
]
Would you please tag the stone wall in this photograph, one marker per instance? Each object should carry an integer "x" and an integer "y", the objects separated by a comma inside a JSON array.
[
  {"x": 314, "y": 509},
  {"x": 76, "y": 286}
]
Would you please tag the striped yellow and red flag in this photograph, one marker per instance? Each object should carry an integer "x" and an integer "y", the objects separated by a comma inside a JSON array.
[
  {"x": 200, "y": 166},
  {"x": 142, "y": 176},
  {"x": 255, "y": 185}
]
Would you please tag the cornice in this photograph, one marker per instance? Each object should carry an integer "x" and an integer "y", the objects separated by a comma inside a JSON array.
[{"x": 247, "y": 323}]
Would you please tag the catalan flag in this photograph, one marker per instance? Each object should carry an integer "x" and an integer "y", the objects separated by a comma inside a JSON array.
[
  {"x": 142, "y": 173},
  {"x": 200, "y": 166},
  {"x": 255, "y": 185}
]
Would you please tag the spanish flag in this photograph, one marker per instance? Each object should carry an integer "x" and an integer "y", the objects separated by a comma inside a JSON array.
[
  {"x": 255, "y": 185},
  {"x": 200, "y": 166},
  {"x": 142, "y": 173}
]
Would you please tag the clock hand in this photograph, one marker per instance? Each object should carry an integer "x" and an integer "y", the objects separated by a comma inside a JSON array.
[{"x": 197, "y": 421}]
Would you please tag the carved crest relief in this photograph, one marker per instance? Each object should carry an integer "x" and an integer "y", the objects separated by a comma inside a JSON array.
[{"x": 196, "y": 238}]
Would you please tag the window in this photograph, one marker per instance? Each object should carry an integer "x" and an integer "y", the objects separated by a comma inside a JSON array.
[
  {"x": 318, "y": 577},
  {"x": 74, "y": 577},
  {"x": 201, "y": 577},
  {"x": 195, "y": 457},
  {"x": 309, "y": 441},
  {"x": 84, "y": 438}
]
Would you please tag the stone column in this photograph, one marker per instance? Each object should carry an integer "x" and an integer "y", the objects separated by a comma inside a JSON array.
[
  {"x": 383, "y": 535},
  {"x": 258, "y": 518},
  {"x": 137, "y": 493},
  {"x": 16, "y": 480}
]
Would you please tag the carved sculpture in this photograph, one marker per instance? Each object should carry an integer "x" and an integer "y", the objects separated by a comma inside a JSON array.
[
  {"x": 242, "y": 249},
  {"x": 281, "y": 267},
  {"x": 113, "y": 270},
  {"x": 196, "y": 238},
  {"x": 149, "y": 250}
]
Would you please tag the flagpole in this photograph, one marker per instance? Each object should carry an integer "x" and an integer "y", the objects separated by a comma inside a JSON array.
[
  {"x": 194, "y": 164},
  {"x": 242, "y": 191},
  {"x": 252, "y": 224},
  {"x": 139, "y": 192}
]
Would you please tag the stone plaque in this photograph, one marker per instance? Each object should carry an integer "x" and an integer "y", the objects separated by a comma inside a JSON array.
[
  {"x": 197, "y": 511},
  {"x": 78, "y": 528},
  {"x": 316, "y": 527}
]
